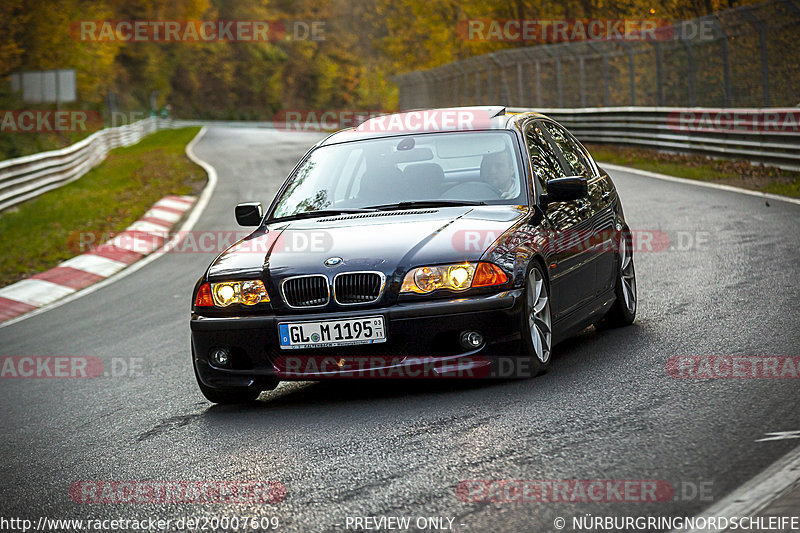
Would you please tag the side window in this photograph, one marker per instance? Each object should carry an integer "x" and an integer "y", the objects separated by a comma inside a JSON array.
[
  {"x": 543, "y": 160},
  {"x": 577, "y": 163},
  {"x": 593, "y": 171}
]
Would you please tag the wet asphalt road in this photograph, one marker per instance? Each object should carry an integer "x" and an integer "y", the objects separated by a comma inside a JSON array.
[{"x": 606, "y": 410}]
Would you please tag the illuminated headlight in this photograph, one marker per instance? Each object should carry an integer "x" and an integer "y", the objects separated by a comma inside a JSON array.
[
  {"x": 458, "y": 277},
  {"x": 238, "y": 292}
]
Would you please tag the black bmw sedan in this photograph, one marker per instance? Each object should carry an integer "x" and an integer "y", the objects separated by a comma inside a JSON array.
[{"x": 421, "y": 244}]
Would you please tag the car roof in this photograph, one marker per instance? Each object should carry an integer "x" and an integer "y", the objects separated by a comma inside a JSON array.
[{"x": 434, "y": 120}]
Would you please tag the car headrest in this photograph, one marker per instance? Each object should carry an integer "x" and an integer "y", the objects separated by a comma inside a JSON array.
[
  {"x": 487, "y": 160},
  {"x": 422, "y": 179},
  {"x": 380, "y": 184}
]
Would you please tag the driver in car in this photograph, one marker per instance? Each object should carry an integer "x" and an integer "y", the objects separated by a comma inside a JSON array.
[{"x": 497, "y": 172}]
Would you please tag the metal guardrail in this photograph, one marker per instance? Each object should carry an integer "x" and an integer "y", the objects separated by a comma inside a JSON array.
[
  {"x": 27, "y": 177},
  {"x": 647, "y": 127},
  {"x": 752, "y": 134},
  {"x": 184, "y": 122}
]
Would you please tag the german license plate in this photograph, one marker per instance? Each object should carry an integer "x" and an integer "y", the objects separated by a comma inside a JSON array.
[{"x": 330, "y": 333}]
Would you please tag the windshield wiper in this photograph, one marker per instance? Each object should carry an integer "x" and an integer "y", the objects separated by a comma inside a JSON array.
[
  {"x": 321, "y": 213},
  {"x": 425, "y": 203}
]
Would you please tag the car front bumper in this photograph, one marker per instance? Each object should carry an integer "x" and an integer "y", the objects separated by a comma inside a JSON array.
[{"x": 422, "y": 340}]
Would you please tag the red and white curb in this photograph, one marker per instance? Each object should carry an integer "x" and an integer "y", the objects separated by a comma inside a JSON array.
[{"x": 140, "y": 239}]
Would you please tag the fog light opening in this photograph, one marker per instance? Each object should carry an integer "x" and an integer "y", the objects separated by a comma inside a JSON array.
[
  {"x": 220, "y": 357},
  {"x": 471, "y": 340}
]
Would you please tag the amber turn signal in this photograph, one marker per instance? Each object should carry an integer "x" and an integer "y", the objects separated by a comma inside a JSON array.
[
  {"x": 488, "y": 274},
  {"x": 203, "y": 298}
]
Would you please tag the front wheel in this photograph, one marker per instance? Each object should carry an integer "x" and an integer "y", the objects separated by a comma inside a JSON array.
[
  {"x": 623, "y": 312},
  {"x": 536, "y": 327},
  {"x": 227, "y": 396}
]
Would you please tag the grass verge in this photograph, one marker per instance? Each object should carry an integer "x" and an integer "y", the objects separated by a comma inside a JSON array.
[
  {"x": 736, "y": 173},
  {"x": 38, "y": 234}
]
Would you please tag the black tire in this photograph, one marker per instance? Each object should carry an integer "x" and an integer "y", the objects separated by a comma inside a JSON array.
[
  {"x": 537, "y": 355},
  {"x": 242, "y": 395},
  {"x": 623, "y": 311}
]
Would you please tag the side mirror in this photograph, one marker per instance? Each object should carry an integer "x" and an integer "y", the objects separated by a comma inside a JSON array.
[
  {"x": 565, "y": 189},
  {"x": 249, "y": 214}
]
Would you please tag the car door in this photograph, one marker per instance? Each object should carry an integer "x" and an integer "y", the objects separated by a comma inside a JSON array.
[
  {"x": 602, "y": 197},
  {"x": 586, "y": 236},
  {"x": 571, "y": 275}
]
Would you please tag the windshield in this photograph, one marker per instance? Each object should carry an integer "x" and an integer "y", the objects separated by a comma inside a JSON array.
[{"x": 464, "y": 166}]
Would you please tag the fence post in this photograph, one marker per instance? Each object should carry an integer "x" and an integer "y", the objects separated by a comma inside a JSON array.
[
  {"x": 762, "y": 43},
  {"x": 659, "y": 73},
  {"x": 427, "y": 98},
  {"x": 462, "y": 83},
  {"x": 631, "y": 76},
  {"x": 477, "y": 95},
  {"x": 531, "y": 54},
  {"x": 502, "y": 94},
  {"x": 606, "y": 81},
  {"x": 689, "y": 69},
  {"x": 581, "y": 74},
  {"x": 557, "y": 63},
  {"x": 726, "y": 68}
]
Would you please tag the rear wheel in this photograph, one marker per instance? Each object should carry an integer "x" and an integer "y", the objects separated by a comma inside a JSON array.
[
  {"x": 536, "y": 327},
  {"x": 623, "y": 312}
]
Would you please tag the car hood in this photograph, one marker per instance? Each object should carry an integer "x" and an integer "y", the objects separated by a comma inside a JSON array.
[{"x": 391, "y": 242}]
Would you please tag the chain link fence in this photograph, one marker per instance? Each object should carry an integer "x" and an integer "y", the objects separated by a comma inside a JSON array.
[{"x": 742, "y": 57}]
